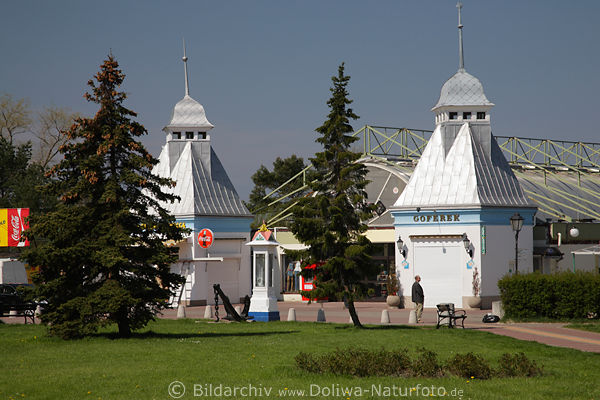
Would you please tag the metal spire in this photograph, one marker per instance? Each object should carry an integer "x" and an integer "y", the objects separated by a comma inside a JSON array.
[
  {"x": 461, "y": 60},
  {"x": 184, "y": 58}
]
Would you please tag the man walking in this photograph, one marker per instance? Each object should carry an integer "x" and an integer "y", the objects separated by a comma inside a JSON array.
[{"x": 418, "y": 297}]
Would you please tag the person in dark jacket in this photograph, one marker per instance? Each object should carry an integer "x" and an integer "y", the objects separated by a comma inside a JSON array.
[{"x": 418, "y": 297}]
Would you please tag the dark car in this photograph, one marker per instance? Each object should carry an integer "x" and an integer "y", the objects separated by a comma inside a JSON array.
[{"x": 12, "y": 296}]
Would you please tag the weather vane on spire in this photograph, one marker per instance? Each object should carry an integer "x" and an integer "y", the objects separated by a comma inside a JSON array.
[
  {"x": 461, "y": 60},
  {"x": 184, "y": 58}
]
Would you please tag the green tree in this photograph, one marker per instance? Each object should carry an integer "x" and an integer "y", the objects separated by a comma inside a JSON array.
[
  {"x": 331, "y": 221},
  {"x": 21, "y": 180},
  {"x": 265, "y": 182},
  {"x": 101, "y": 253}
]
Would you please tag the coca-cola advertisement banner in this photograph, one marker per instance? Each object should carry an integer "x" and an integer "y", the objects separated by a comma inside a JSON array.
[{"x": 12, "y": 224}]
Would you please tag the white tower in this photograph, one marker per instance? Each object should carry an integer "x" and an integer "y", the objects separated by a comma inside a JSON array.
[
  {"x": 461, "y": 193},
  {"x": 208, "y": 200},
  {"x": 462, "y": 100}
]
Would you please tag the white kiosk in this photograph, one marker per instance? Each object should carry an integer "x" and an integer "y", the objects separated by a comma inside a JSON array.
[{"x": 263, "y": 304}]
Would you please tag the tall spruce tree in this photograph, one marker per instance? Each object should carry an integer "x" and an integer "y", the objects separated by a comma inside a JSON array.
[
  {"x": 331, "y": 222},
  {"x": 101, "y": 253}
]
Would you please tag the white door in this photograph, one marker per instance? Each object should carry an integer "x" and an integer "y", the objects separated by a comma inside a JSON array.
[
  {"x": 438, "y": 264},
  {"x": 226, "y": 274}
]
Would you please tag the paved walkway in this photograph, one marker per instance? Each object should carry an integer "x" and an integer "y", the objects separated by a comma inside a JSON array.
[{"x": 553, "y": 334}]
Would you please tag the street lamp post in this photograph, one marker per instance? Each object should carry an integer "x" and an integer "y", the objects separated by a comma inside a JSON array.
[
  {"x": 516, "y": 221},
  {"x": 400, "y": 245},
  {"x": 467, "y": 244}
]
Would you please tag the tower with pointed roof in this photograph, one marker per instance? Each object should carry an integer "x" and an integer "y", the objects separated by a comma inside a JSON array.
[
  {"x": 208, "y": 200},
  {"x": 460, "y": 197}
]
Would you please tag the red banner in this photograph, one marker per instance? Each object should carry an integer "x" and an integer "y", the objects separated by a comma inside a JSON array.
[{"x": 12, "y": 225}]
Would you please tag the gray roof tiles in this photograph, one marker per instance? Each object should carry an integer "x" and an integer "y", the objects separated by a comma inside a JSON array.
[
  {"x": 462, "y": 89},
  {"x": 202, "y": 191},
  {"x": 466, "y": 176},
  {"x": 189, "y": 113}
]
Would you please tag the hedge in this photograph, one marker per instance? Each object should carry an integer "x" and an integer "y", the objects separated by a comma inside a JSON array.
[{"x": 563, "y": 295}]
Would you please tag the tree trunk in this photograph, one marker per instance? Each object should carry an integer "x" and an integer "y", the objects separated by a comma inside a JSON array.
[
  {"x": 124, "y": 328},
  {"x": 353, "y": 314},
  {"x": 123, "y": 322}
]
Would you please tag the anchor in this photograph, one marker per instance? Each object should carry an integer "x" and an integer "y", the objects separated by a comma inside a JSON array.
[{"x": 232, "y": 315}]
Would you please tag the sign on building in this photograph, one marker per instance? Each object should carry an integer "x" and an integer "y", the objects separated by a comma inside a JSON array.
[
  {"x": 205, "y": 238},
  {"x": 12, "y": 225}
]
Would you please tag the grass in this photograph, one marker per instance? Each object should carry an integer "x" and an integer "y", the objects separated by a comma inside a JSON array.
[
  {"x": 586, "y": 326},
  {"x": 35, "y": 366}
]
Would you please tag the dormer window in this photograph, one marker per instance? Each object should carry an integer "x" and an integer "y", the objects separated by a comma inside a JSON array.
[
  {"x": 189, "y": 135},
  {"x": 466, "y": 115},
  {"x": 452, "y": 115},
  {"x": 176, "y": 135},
  {"x": 480, "y": 114},
  {"x": 201, "y": 135}
]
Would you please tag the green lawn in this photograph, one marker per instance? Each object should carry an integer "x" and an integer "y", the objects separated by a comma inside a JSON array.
[
  {"x": 261, "y": 356},
  {"x": 586, "y": 326}
]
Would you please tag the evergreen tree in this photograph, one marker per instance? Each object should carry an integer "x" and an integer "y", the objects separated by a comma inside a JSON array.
[
  {"x": 21, "y": 181},
  {"x": 330, "y": 222},
  {"x": 14, "y": 169},
  {"x": 101, "y": 253}
]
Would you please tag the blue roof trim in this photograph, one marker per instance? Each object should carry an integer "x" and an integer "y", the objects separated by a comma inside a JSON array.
[{"x": 218, "y": 224}]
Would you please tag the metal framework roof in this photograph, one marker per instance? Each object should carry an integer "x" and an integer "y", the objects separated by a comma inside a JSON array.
[{"x": 561, "y": 177}]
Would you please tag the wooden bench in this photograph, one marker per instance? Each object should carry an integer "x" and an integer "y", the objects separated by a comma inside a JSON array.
[{"x": 448, "y": 315}]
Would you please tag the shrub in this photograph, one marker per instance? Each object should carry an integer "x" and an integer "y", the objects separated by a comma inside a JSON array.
[
  {"x": 357, "y": 362},
  {"x": 426, "y": 364},
  {"x": 361, "y": 362},
  {"x": 563, "y": 295},
  {"x": 308, "y": 362},
  {"x": 469, "y": 365},
  {"x": 518, "y": 365}
]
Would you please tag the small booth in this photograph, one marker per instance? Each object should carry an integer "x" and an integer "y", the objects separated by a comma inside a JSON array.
[
  {"x": 307, "y": 283},
  {"x": 263, "y": 304}
]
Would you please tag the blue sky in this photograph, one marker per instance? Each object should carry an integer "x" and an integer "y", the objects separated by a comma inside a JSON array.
[{"x": 262, "y": 68}]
